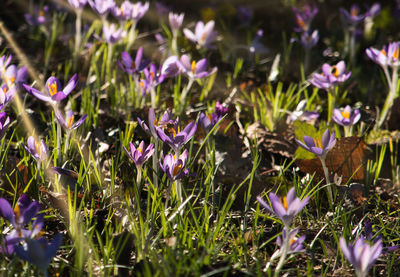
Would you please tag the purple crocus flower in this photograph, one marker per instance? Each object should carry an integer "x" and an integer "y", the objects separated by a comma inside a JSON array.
[
  {"x": 4, "y": 62},
  {"x": 374, "y": 10},
  {"x": 361, "y": 255},
  {"x": 4, "y": 122},
  {"x": 39, "y": 17},
  {"x": 78, "y": 4},
  {"x": 195, "y": 70},
  {"x": 131, "y": 66},
  {"x": 39, "y": 252},
  {"x": 309, "y": 40},
  {"x": 331, "y": 76},
  {"x": 287, "y": 208},
  {"x": 301, "y": 114},
  {"x": 347, "y": 117},
  {"x": 151, "y": 79},
  {"x": 124, "y": 12},
  {"x": 38, "y": 150},
  {"x": 19, "y": 217},
  {"x": 102, "y": 7},
  {"x": 54, "y": 93},
  {"x": 174, "y": 166},
  {"x": 353, "y": 17},
  {"x": 175, "y": 21},
  {"x": 388, "y": 56},
  {"x": 112, "y": 34},
  {"x": 154, "y": 123},
  {"x": 68, "y": 122},
  {"x": 204, "y": 35},
  {"x": 141, "y": 154},
  {"x": 304, "y": 17},
  {"x": 16, "y": 75},
  {"x": 139, "y": 10},
  {"x": 208, "y": 122},
  {"x": 171, "y": 67},
  {"x": 162, "y": 9},
  {"x": 174, "y": 137},
  {"x": 6, "y": 95},
  {"x": 295, "y": 243},
  {"x": 317, "y": 146}
]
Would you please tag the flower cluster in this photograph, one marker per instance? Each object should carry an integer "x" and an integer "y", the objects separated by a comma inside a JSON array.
[
  {"x": 209, "y": 121},
  {"x": 304, "y": 17},
  {"x": 27, "y": 243}
]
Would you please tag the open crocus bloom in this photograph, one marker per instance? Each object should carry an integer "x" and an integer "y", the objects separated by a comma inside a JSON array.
[
  {"x": 204, "y": 35},
  {"x": 287, "y": 208},
  {"x": 54, "y": 92},
  {"x": 193, "y": 69},
  {"x": 387, "y": 56},
  {"x": 172, "y": 135},
  {"x": 68, "y": 123},
  {"x": 141, "y": 154},
  {"x": 317, "y": 146},
  {"x": 38, "y": 150},
  {"x": 174, "y": 166},
  {"x": 331, "y": 76},
  {"x": 347, "y": 116}
]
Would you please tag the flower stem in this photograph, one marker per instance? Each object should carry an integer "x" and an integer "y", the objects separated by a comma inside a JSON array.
[
  {"x": 153, "y": 97},
  {"x": 328, "y": 182},
  {"x": 393, "y": 93},
  {"x": 66, "y": 143},
  {"x": 285, "y": 250},
  {"x": 131, "y": 36},
  {"x": 331, "y": 103},
  {"x": 184, "y": 94},
  {"x": 139, "y": 178},
  {"x": 78, "y": 27},
  {"x": 155, "y": 166}
]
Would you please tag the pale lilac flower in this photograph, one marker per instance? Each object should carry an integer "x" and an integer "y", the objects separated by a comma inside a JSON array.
[
  {"x": 295, "y": 243},
  {"x": 131, "y": 66},
  {"x": 39, "y": 252},
  {"x": 54, "y": 93},
  {"x": 287, "y": 208},
  {"x": 309, "y": 40},
  {"x": 317, "y": 146},
  {"x": 141, "y": 154},
  {"x": 102, "y": 7},
  {"x": 151, "y": 79},
  {"x": 38, "y": 150},
  {"x": 204, "y": 35},
  {"x": 4, "y": 62},
  {"x": 171, "y": 67},
  {"x": 304, "y": 16},
  {"x": 347, "y": 116},
  {"x": 193, "y": 69},
  {"x": 17, "y": 76},
  {"x": 124, "y": 12},
  {"x": 112, "y": 34},
  {"x": 139, "y": 10},
  {"x": 374, "y": 10},
  {"x": 68, "y": 123},
  {"x": 78, "y": 4},
  {"x": 331, "y": 76},
  {"x": 6, "y": 95},
  {"x": 361, "y": 255},
  {"x": 39, "y": 17},
  {"x": 301, "y": 114},
  {"x": 175, "y": 20},
  {"x": 174, "y": 167},
  {"x": 388, "y": 56},
  {"x": 172, "y": 135}
]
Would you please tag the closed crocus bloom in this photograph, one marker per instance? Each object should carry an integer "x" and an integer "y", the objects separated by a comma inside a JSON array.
[
  {"x": 174, "y": 167},
  {"x": 77, "y": 4},
  {"x": 331, "y": 76},
  {"x": 39, "y": 17},
  {"x": 124, "y": 12},
  {"x": 204, "y": 35},
  {"x": 317, "y": 146},
  {"x": 112, "y": 34},
  {"x": 102, "y": 7},
  {"x": 139, "y": 10},
  {"x": 361, "y": 254},
  {"x": 347, "y": 116},
  {"x": 353, "y": 17},
  {"x": 69, "y": 122},
  {"x": 286, "y": 208},
  {"x": 140, "y": 154},
  {"x": 38, "y": 150},
  {"x": 193, "y": 69},
  {"x": 175, "y": 20},
  {"x": 54, "y": 92}
]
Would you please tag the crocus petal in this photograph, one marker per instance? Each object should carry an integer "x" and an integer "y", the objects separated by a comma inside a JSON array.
[{"x": 7, "y": 211}]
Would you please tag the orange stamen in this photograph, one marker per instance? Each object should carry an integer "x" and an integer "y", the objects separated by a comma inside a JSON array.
[
  {"x": 346, "y": 114},
  {"x": 300, "y": 22},
  {"x": 176, "y": 170},
  {"x": 193, "y": 67},
  {"x": 396, "y": 53},
  {"x": 53, "y": 88},
  {"x": 284, "y": 202},
  {"x": 318, "y": 143},
  {"x": 70, "y": 121},
  {"x": 140, "y": 150},
  {"x": 17, "y": 212},
  {"x": 383, "y": 51},
  {"x": 335, "y": 71}
]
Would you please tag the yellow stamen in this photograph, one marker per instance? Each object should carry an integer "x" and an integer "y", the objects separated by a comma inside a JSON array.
[
  {"x": 346, "y": 114},
  {"x": 203, "y": 37},
  {"x": 292, "y": 240},
  {"x": 53, "y": 88},
  {"x": 11, "y": 79},
  {"x": 383, "y": 52},
  {"x": 300, "y": 22},
  {"x": 152, "y": 74},
  {"x": 396, "y": 53},
  {"x": 70, "y": 121},
  {"x": 335, "y": 71},
  {"x": 41, "y": 13},
  {"x": 122, "y": 11},
  {"x": 284, "y": 202},
  {"x": 193, "y": 67},
  {"x": 38, "y": 148},
  {"x": 140, "y": 150},
  {"x": 318, "y": 143},
  {"x": 210, "y": 117},
  {"x": 354, "y": 12},
  {"x": 17, "y": 212},
  {"x": 176, "y": 170}
]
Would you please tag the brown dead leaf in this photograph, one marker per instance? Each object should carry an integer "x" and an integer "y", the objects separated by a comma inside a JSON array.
[{"x": 345, "y": 159}]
